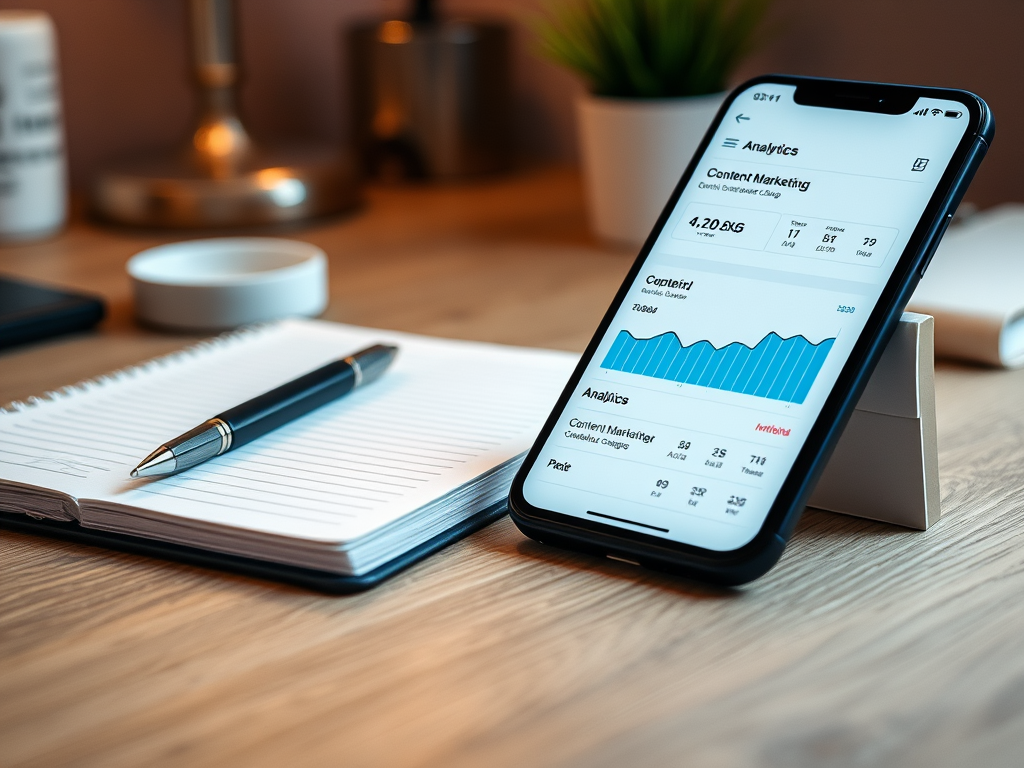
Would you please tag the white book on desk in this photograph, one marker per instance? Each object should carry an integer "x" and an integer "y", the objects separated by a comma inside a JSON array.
[
  {"x": 974, "y": 288},
  {"x": 344, "y": 489}
]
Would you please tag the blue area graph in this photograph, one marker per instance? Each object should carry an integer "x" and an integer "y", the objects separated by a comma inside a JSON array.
[{"x": 776, "y": 368}]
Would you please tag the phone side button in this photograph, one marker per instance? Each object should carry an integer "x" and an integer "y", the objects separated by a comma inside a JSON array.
[{"x": 935, "y": 243}]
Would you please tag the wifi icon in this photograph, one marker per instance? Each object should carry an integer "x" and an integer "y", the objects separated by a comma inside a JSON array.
[{"x": 936, "y": 112}]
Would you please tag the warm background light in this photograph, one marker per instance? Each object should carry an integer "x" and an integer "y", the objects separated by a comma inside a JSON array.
[{"x": 126, "y": 90}]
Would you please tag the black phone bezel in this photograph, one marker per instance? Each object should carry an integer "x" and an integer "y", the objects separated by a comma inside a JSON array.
[{"x": 763, "y": 550}]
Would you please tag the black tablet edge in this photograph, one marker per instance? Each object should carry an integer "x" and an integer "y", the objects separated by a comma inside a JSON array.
[
  {"x": 308, "y": 578},
  {"x": 76, "y": 313}
]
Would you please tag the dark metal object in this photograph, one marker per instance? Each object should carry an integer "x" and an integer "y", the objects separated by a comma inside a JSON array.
[
  {"x": 431, "y": 98},
  {"x": 222, "y": 178}
]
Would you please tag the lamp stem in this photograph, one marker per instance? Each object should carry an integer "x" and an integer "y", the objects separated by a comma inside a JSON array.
[{"x": 220, "y": 140}]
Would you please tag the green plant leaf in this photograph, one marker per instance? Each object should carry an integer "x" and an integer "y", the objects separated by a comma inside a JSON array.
[{"x": 651, "y": 48}]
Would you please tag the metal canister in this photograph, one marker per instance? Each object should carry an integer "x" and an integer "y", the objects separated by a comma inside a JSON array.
[{"x": 431, "y": 99}]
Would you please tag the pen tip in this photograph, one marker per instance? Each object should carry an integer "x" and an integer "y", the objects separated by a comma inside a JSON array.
[{"x": 162, "y": 461}]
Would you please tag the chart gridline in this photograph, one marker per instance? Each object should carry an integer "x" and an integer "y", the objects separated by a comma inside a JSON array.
[{"x": 775, "y": 368}]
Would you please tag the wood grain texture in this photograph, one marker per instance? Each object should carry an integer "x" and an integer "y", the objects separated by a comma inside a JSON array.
[{"x": 868, "y": 644}]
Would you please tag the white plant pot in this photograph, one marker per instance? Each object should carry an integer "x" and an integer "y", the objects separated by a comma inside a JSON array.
[{"x": 634, "y": 152}]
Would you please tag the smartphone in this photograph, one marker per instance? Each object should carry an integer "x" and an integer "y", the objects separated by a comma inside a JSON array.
[{"x": 704, "y": 409}]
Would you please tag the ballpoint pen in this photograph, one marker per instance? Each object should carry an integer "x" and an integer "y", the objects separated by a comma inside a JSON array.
[{"x": 254, "y": 418}]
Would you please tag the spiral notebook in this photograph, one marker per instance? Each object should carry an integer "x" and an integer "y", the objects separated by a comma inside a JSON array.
[{"x": 352, "y": 491}]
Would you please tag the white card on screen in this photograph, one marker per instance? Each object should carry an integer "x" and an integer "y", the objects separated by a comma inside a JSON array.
[{"x": 224, "y": 282}]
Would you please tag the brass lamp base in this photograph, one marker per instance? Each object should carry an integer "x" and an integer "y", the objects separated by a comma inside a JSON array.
[
  {"x": 222, "y": 178},
  {"x": 268, "y": 188}
]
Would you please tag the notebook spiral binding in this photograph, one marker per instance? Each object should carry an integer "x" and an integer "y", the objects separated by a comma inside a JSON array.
[{"x": 131, "y": 371}]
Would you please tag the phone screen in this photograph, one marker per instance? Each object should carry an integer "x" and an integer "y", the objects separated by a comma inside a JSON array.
[{"x": 690, "y": 415}]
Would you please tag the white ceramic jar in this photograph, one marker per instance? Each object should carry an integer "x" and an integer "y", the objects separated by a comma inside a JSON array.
[
  {"x": 224, "y": 282},
  {"x": 33, "y": 168},
  {"x": 634, "y": 151}
]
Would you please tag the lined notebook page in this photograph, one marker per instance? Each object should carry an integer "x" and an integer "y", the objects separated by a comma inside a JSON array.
[{"x": 445, "y": 413}]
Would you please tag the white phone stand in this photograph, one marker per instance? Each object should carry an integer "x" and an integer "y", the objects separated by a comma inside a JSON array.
[{"x": 886, "y": 465}]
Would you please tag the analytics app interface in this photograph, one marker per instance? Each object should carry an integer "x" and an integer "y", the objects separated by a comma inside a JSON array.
[{"x": 690, "y": 415}]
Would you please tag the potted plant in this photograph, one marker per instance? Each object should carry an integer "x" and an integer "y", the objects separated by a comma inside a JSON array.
[{"x": 657, "y": 72}]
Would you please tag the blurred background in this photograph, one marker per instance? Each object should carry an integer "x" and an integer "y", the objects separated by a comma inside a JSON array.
[{"x": 126, "y": 86}]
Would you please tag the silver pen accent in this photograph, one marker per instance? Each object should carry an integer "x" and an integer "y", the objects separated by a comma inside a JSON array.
[{"x": 211, "y": 438}]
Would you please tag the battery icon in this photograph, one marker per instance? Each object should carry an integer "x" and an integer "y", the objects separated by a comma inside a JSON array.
[{"x": 953, "y": 113}]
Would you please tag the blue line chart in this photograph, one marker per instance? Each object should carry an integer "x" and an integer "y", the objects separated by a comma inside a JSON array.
[{"x": 774, "y": 368}]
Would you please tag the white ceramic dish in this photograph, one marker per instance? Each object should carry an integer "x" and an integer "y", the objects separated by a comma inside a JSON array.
[{"x": 225, "y": 282}]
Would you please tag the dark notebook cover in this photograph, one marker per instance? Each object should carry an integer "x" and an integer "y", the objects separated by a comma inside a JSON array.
[{"x": 321, "y": 581}]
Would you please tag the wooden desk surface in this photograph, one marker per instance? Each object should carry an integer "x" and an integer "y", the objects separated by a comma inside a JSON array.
[{"x": 867, "y": 645}]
